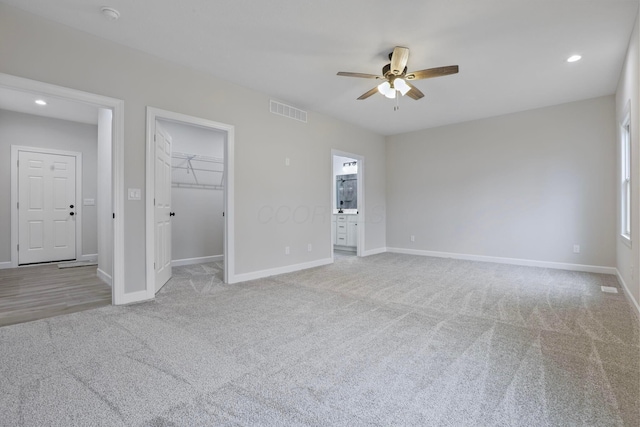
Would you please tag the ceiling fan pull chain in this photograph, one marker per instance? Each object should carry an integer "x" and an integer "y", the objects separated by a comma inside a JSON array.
[{"x": 397, "y": 107}]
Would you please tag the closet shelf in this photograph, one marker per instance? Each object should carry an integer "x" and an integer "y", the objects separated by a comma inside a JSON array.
[
  {"x": 198, "y": 157},
  {"x": 200, "y": 186},
  {"x": 209, "y": 176}
]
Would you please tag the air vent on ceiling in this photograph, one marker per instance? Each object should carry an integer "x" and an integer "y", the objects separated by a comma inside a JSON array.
[{"x": 288, "y": 111}]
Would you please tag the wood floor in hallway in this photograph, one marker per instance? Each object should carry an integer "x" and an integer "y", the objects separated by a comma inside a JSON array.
[{"x": 38, "y": 292}]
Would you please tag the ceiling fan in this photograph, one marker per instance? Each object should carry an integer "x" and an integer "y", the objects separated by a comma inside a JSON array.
[{"x": 397, "y": 79}]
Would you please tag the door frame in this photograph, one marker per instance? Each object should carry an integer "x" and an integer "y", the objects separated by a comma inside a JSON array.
[
  {"x": 118, "y": 295},
  {"x": 15, "y": 225},
  {"x": 154, "y": 114},
  {"x": 361, "y": 202}
]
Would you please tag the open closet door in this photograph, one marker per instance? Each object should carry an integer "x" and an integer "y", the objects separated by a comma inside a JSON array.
[{"x": 162, "y": 207}]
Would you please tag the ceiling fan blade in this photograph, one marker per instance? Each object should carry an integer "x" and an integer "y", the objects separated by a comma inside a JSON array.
[
  {"x": 414, "y": 92},
  {"x": 432, "y": 72},
  {"x": 369, "y": 93},
  {"x": 361, "y": 75},
  {"x": 399, "y": 59}
]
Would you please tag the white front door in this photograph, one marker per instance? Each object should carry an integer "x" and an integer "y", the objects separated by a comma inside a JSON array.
[
  {"x": 46, "y": 207},
  {"x": 162, "y": 209}
]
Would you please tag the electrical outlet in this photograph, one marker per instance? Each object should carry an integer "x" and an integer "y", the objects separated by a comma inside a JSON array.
[
  {"x": 413, "y": 238},
  {"x": 576, "y": 249},
  {"x": 309, "y": 247},
  {"x": 286, "y": 250}
]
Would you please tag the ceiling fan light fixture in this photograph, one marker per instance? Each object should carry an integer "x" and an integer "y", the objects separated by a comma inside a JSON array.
[
  {"x": 391, "y": 93},
  {"x": 384, "y": 87},
  {"x": 401, "y": 86}
]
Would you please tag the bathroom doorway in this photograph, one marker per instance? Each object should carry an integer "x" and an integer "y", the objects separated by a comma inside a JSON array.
[{"x": 347, "y": 204}]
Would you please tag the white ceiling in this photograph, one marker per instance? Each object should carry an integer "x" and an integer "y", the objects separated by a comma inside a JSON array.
[
  {"x": 24, "y": 102},
  {"x": 511, "y": 53}
]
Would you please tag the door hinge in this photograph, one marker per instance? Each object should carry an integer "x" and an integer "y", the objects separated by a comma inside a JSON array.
[
  {"x": 114, "y": 215},
  {"x": 222, "y": 213},
  {"x": 154, "y": 138},
  {"x": 154, "y": 201},
  {"x": 18, "y": 163},
  {"x": 18, "y": 247},
  {"x": 17, "y": 205},
  {"x": 154, "y": 265}
]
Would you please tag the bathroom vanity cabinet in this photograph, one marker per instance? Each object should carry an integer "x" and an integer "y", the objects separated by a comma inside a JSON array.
[{"x": 345, "y": 231}]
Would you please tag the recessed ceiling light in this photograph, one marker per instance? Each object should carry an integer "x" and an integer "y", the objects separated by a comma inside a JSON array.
[
  {"x": 110, "y": 13},
  {"x": 574, "y": 58},
  {"x": 41, "y": 102}
]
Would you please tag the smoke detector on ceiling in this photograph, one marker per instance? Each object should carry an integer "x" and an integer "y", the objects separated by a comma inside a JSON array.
[{"x": 110, "y": 13}]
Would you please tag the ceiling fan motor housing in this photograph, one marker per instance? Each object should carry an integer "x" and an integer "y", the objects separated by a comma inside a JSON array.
[{"x": 386, "y": 71}]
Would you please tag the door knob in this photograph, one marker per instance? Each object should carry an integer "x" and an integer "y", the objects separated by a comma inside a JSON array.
[
  {"x": 72, "y": 213},
  {"x": 172, "y": 214}
]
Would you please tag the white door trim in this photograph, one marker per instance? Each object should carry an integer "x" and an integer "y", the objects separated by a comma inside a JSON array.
[
  {"x": 15, "y": 149},
  {"x": 229, "y": 244},
  {"x": 117, "y": 146},
  {"x": 361, "y": 205}
]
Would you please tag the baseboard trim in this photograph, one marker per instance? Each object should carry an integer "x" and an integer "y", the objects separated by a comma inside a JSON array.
[
  {"x": 88, "y": 257},
  {"x": 134, "y": 297},
  {"x": 511, "y": 261},
  {"x": 280, "y": 270},
  {"x": 634, "y": 303},
  {"x": 106, "y": 278},
  {"x": 374, "y": 251},
  {"x": 7, "y": 264},
  {"x": 200, "y": 260}
]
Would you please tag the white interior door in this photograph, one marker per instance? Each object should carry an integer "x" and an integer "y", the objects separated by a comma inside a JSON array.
[
  {"x": 46, "y": 207},
  {"x": 162, "y": 207}
]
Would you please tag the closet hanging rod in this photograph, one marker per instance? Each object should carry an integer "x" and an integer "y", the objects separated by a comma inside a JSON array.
[
  {"x": 196, "y": 169},
  {"x": 198, "y": 186}
]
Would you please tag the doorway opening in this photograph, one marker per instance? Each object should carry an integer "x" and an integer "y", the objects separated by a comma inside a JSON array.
[
  {"x": 60, "y": 210},
  {"x": 189, "y": 196},
  {"x": 347, "y": 204}
]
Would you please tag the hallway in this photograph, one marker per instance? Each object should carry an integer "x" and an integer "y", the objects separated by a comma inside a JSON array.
[{"x": 38, "y": 292}]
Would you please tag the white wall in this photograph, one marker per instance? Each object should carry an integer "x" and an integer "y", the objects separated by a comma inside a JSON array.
[
  {"x": 39, "y": 49},
  {"x": 527, "y": 185},
  {"x": 198, "y": 226},
  {"x": 627, "y": 92},
  {"x": 43, "y": 132},
  {"x": 104, "y": 197}
]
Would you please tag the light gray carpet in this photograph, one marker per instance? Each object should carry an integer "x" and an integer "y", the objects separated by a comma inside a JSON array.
[{"x": 379, "y": 341}]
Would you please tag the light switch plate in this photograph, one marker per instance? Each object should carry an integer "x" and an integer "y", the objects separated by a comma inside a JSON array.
[
  {"x": 134, "y": 193},
  {"x": 89, "y": 202}
]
